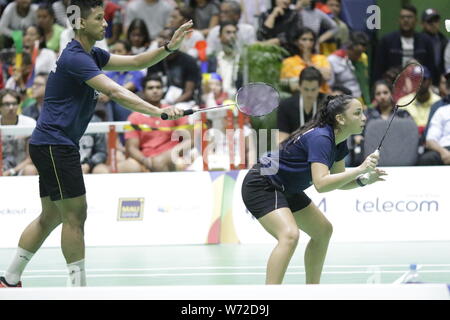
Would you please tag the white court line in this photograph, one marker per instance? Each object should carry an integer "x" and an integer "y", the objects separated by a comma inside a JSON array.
[
  {"x": 153, "y": 275},
  {"x": 237, "y": 268}
]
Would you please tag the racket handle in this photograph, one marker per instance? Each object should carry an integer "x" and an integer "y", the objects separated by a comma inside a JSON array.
[
  {"x": 365, "y": 177},
  {"x": 187, "y": 112}
]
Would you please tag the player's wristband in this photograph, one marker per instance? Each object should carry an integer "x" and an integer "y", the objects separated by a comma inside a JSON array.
[
  {"x": 166, "y": 47},
  {"x": 359, "y": 182}
]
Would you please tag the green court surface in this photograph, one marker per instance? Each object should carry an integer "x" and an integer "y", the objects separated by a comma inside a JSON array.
[{"x": 346, "y": 263}]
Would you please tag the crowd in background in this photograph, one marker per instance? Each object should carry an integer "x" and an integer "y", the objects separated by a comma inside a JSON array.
[{"x": 321, "y": 55}]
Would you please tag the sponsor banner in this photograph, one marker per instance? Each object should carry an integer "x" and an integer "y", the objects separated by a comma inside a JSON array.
[
  {"x": 412, "y": 204},
  {"x": 123, "y": 209}
]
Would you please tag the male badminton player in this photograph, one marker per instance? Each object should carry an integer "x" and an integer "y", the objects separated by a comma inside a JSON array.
[
  {"x": 70, "y": 99},
  {"x": 273, "y": 190}
]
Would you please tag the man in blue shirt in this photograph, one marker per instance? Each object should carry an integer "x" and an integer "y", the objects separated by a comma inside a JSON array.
[{"x": 69, "y": 103}]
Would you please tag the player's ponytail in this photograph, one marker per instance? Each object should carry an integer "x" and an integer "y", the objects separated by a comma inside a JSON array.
[{"x": 332, "y": 106}]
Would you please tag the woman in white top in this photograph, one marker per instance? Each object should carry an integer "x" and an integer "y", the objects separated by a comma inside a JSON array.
[{"x": 42, "y": 58}]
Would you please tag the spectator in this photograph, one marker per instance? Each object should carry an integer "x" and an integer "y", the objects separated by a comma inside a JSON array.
[
  {"x": 93, "y": 151},
  {"x": 181, "y": 72},
  {"x": 60, "y": 9},
  {"x": 252, "y": 10},
  {"x": 351, "y": 68},
  {"x": 437, "y": 139},
  {"x": 114, "y": 18},
  {"x": 306, "y": 57},
  {"x": 131, "y": 80},
  {"x": 419, "y": 109},
  {"x": 322, "y": 25},
  {"x": 382, "y": 109},
  {"x": 277, "y": 23},
  {"x": 152, "y": 150},
  {"x": 138, "y": 36},
  {"x": 226, "y": 61},
  {"x": 431, "y": 21},
  {"x": 19, "y": 80},
  {"x": 34, "y": 44},
  {"x": 206, "y": 15},
  {"x": 399, "y": 47},
  {"x": 182, "y": 15},
  {"x": 155, "y": 14},
  {"x": 17, "y": 16},
  {"x": 343, "y": 33},
  {"x": 16, "y": 160},
  {"x": 230, "y": 10},
  {"x": 295, "y": 111},
  {"x": 37, "y": 93},
  {"x": 47, "y": 21}
]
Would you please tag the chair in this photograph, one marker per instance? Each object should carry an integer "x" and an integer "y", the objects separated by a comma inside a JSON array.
[{"x": 400, "y": 147}]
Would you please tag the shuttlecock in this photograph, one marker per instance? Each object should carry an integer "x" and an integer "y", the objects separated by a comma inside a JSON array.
[{"x": 447, "y": 25}]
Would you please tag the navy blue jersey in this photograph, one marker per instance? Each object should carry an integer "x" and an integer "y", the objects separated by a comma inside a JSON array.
[
  {"x": 293, "y": 161},
  {"x": 69, "y": 102}
]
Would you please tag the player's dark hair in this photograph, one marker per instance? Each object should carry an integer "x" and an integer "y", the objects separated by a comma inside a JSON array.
[
  {"x": 332, "y": 106},
  {"x": 86, "y": 6}
]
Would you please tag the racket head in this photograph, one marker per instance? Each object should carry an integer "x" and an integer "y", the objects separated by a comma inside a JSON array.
[
  {"x": 407, "y": 83},
  {"x": 257, "y": 99}
]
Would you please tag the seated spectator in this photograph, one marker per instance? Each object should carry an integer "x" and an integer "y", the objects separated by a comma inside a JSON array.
[
  {"x": 206, "y": 14},
  {"x": 306, "y": 56},
  {"x": 419, "y": 109},
  {"x": 295, "y": 111},
  {"x": 399, "y": 47},
  {"x": 320, "y": 23},
  {"x": 18, "y": 15},
  {"x": 382, "y": 108},
  {"x": 60, "y": 9},
  {"x": 230, "y": 11},
  {"x": 34, "y": 44},
  {"x": 276, "y": 24},
  {"x": 154, "y": 13},
  {"x": 131, "y": 80},
  {"x": 178, "y": 17},
  {"x": 431, "y": 21},
  {"x": 226, "y": 62},
  {"x": 153, "y": 150},
  {"x": 93, "y": 151},
  {"x": 16, "y": 159},
  {"x": 437, "y": 139},
  {"x": 114, "y": 18},
  {"x": 19, "y": 79},
  {"x": 350, "y": 67},
  {"x": 343, "y": 33},
  {"x": 47, "y": 21},
  {"x": 138, "y": 36},
  {"x": 37, "y": 93},
  {"x": 181, "y": 73}
]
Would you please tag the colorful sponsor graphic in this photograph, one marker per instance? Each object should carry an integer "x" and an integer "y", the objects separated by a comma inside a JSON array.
[{"x": 130, "y": 209}]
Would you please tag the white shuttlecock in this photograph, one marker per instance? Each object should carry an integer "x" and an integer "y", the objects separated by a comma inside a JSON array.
[{"x": 447, "y": 25}]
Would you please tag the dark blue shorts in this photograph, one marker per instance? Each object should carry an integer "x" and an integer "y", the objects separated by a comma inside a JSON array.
[
  {"x": 60, "y": 174},
  {"x": 260, "y": 196}
]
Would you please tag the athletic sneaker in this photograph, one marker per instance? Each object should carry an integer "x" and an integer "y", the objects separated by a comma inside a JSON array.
[{"x": 4, "y": 284}]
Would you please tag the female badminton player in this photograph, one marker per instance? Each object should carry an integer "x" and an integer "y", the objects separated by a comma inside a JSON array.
[
  {"x": 273, "y": 190},
  {"x": 70, "y": 99}
]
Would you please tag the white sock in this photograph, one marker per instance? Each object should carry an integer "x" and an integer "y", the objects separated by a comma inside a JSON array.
[
  {"x": 77, "y": 274},
  {"x": 15, "y": 270}
]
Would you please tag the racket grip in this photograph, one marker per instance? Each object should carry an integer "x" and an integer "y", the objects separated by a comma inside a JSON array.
[{"x": 187, "y": 112}]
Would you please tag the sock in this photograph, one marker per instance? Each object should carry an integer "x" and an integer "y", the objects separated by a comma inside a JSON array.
[
  {"x": 77, "y": 274},
  {"x": 15, "y": 270}
]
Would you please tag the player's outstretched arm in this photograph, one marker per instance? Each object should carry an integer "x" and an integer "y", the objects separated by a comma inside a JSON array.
[
  {"x": 147, "y": 59},
  {"x": 128, "y": 99}
]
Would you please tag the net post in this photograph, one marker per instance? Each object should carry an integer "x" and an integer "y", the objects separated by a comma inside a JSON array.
[
  {"x": 112, "y": 148},
  {"x": 230, "y": 137},
  {"x": 204, "y": 142},
  {"x": 1, "y": 154}
]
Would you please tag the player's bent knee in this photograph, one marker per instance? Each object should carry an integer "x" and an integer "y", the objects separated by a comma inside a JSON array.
[{"x": 289, "y": 237}]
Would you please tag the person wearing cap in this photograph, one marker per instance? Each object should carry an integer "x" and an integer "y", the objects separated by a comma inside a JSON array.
[
  {"x": 431, "y": 20},
  {"x": 419, "y": 109},
  {"x": 399, "y": 47}
]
